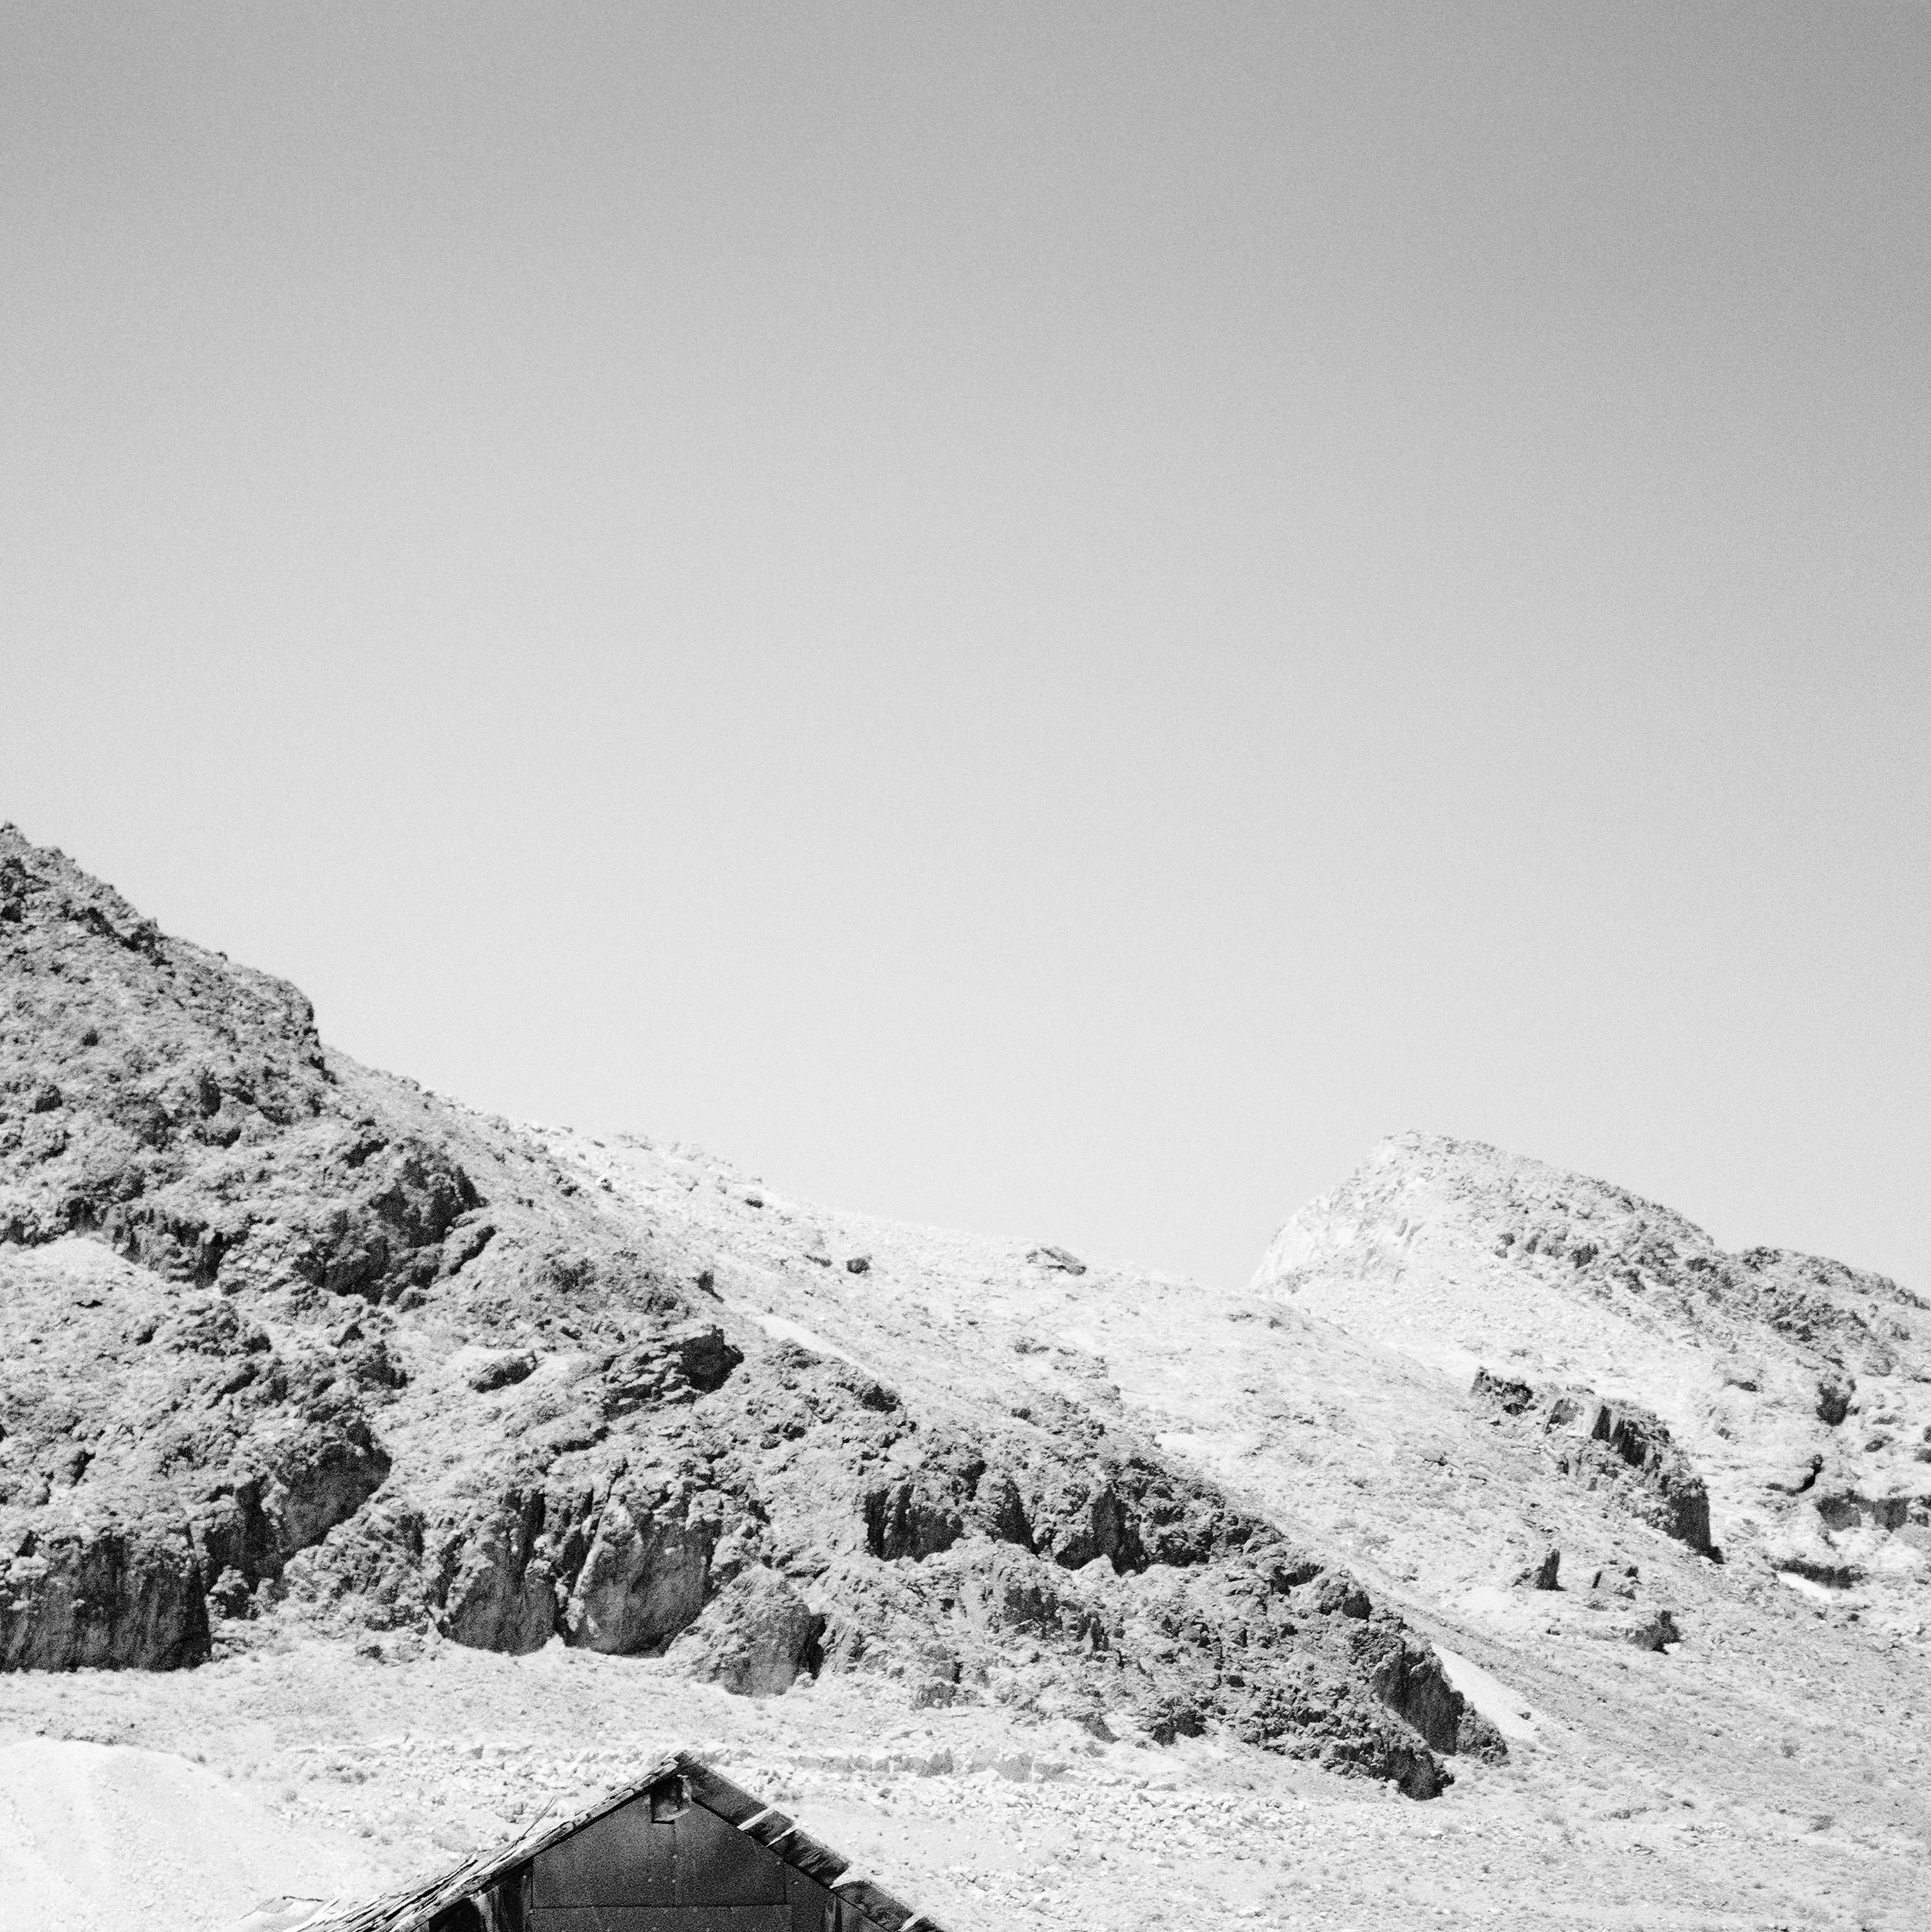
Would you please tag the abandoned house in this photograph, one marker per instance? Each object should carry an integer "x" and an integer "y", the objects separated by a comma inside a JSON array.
[{"x": 678, "y": 1848}]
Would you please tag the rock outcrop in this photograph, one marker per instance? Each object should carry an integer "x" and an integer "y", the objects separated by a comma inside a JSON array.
[
  {"x": 1544, "y": 1573},
  {"x": 1619, "y": 1446}
]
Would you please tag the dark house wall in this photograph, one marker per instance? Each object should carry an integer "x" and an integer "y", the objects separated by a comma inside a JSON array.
[{"x": 661, "y": 1865}]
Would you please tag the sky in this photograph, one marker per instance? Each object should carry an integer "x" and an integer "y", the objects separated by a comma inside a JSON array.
[{"x": 1041, "y": 618}]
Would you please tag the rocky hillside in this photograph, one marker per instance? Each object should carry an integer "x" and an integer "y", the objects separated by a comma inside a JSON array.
[
  {"x": 286, "y": 1341},
  {"x": 1794, "y": 1391},
  {"x": 468, "y": 1454}
]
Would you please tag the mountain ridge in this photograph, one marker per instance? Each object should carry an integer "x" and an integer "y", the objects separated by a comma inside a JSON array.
[
  {"x": 1801, "y": 1387},
  {"x": 414, "y": 1371},
  {"x": 308, "y": 1371}
]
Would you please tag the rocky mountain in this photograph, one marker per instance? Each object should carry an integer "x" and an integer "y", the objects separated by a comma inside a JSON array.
[
  {"x": 1790, "y": 1393},
  {"x": 1493, "y": 1473},
  {"x": 283, "y": 1334}
]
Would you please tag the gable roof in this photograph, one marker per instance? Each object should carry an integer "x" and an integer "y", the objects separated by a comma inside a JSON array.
[{"x": 411, "y": 1908}]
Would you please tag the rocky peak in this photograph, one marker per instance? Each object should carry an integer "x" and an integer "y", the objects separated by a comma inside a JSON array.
[{"x": 1745, "y": 1374}]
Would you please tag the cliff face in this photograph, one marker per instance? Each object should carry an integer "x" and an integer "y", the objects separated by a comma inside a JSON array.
[{"x": 284, "y": 1338}]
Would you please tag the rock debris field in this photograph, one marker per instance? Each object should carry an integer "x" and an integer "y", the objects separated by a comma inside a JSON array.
[
  {"x": 985, "y": 1823},
  {"x": 375, "y": 1473}
]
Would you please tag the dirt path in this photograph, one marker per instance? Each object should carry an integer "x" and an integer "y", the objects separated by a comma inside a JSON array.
[{"x": 114, "y": 1838}]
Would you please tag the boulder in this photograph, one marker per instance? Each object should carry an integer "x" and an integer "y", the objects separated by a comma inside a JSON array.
[
  {"x": 1061, "y": 1260},
  {"x": 754, "y": 1638},
  {"x": 1834, "y": 1391},
  {"x": 1543, "y": 1573},
  {"x": 1511, "y": 1397}
]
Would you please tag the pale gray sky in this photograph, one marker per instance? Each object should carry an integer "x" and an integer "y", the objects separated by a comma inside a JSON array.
[{"x": 1044, "y": 618}]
